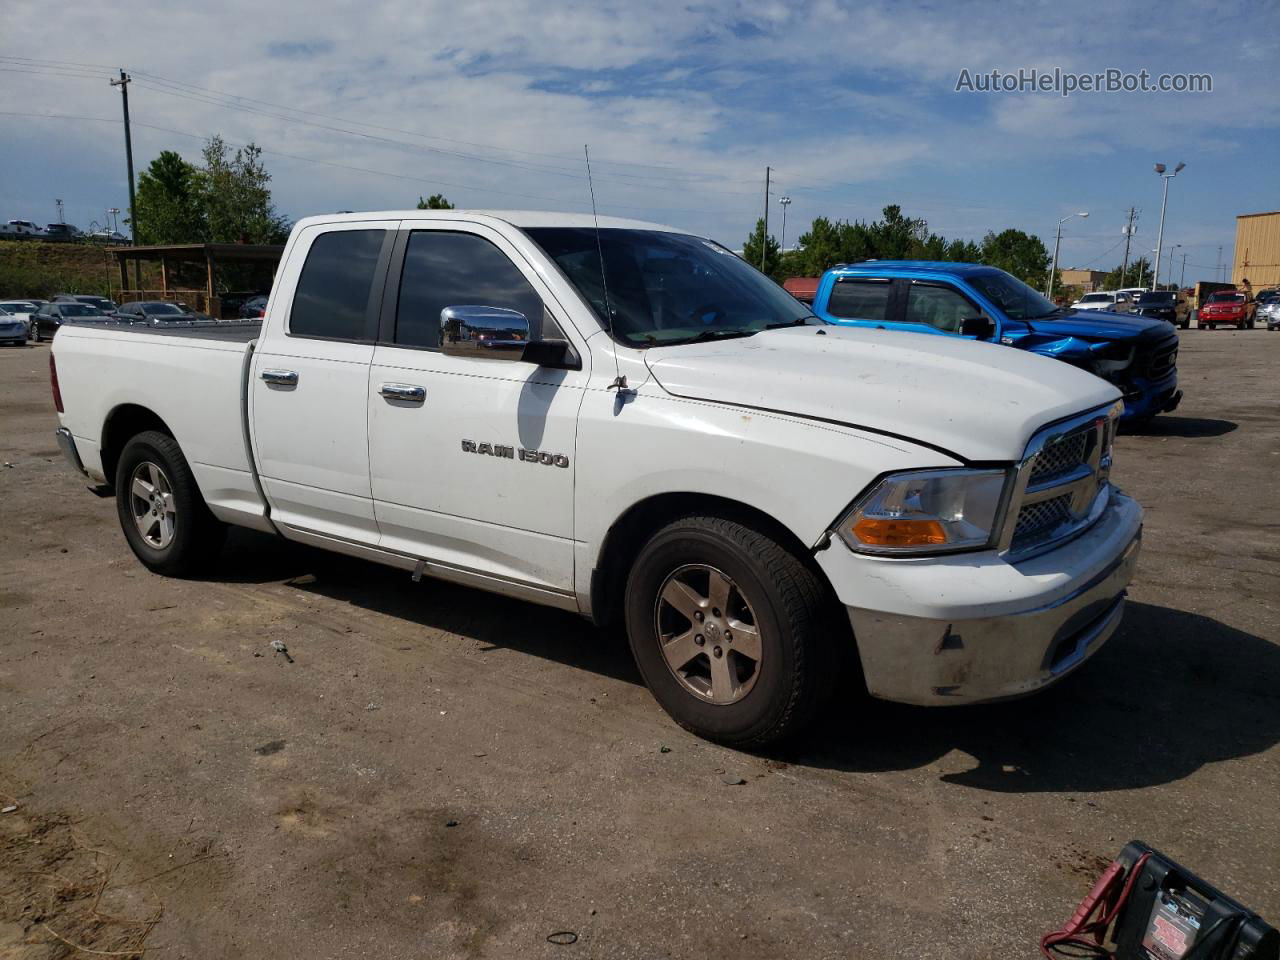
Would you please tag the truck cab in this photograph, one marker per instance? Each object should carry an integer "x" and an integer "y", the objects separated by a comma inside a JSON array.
[{"x": 1138, "y": 354}]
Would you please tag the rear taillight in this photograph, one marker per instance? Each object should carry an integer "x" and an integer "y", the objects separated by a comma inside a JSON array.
[{"x": 53, "y": 382}]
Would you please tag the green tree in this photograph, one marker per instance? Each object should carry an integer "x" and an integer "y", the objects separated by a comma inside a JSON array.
[
  {"x": 168, "y": 203},
  {"x": 1018, "y": 253},
  {"x": 758, "y": 244},
  {"x": 436, "y": 201},
  {"x": 1137, "y": 274},
  {"x": 236, "y": 197}
]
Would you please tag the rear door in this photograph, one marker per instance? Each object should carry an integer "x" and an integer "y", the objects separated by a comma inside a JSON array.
[
  {"x": 310, "y": 379},
  {"x": 862, "y": 302},
  {"x": 472, "y": 457}
]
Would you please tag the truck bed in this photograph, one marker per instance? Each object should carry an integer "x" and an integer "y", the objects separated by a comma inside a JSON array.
[{"x": 237, "y": 331}]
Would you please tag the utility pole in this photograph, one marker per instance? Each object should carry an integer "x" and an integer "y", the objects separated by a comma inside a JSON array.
[
  {"x": 1183, "y": 282},
  {"x": 1217, "y": 271},
  {"x": 764, "y": 241},
  {"x": 1128, "y": 236},
  {"x": 123, "y": 84},
  {"x": 60, "y": 217}
]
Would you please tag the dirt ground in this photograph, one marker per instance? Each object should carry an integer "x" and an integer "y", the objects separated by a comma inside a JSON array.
[{"x": 440, "y": 773}]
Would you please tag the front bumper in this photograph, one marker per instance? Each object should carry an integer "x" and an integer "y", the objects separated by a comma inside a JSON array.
[
  {"x": 972, "y": 628},
  {"x": 1145, "y": 398}
]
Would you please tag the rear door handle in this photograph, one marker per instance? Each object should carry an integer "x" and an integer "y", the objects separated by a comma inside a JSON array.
[
  {"x": 282, "y": 378},
  {"x": 403, "y": 391}
]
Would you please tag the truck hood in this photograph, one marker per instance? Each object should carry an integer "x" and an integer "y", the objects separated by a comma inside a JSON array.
[
  {"x": 1098, "y": 324},
  {"x": 974, "y": 401}
]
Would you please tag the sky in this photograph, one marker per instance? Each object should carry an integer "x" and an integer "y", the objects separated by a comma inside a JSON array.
[{"x": 367, "y": 105}]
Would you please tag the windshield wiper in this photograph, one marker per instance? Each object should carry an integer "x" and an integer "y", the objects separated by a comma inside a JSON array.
[
  {"x": 720, "y": 333},
  {"x": 798, "y": 322}
]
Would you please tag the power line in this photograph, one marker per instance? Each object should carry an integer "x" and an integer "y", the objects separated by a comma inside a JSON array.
[
  {"x": 346, "y": 166},
  {"x": 180, "y": 89}
]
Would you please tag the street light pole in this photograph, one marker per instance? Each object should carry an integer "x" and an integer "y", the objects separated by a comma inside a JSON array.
[
  {"x": 1048, "y": 288},
  {"x": 784, "y": 202},
  {"x": 1160, "y": 168}
]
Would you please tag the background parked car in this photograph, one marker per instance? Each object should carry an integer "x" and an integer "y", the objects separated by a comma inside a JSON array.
[
  {"x": 1269, "y": 310},
  {"x": 24, "y": 310},
  {"x": 105, "y": 306},
  {"x": 1101, "y": 300},
  {"x": 26, "y": 228},
  {"x": 1227, "y": 307},
  {"x": 106, "y": 236},
  {"x": 51, "y": 316},
  {"x": 1165, "y": 305},
  {"x": 253, "y": 308},
  {"x": 61, "y": 232},
  {"x": 154, "y": 311},
  {"x": 12, "y": 329}
]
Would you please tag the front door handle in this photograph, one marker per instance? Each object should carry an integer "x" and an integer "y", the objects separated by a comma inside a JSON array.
[
  {"x": 403, "y": 391},
  {"x": 281, "y": 378}
]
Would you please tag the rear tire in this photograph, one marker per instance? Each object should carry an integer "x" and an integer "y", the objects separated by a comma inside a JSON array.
[
  {"x": 733, "y": 634},
  {"x": 163, "y": 516}
]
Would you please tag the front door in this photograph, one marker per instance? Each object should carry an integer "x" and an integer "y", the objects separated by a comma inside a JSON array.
[
  {"x": 310, "y": 381},
  {"x": 472, "y": 458}
]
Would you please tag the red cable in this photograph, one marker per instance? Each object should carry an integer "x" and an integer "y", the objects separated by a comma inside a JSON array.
[{"x": 1088, "y": 934}]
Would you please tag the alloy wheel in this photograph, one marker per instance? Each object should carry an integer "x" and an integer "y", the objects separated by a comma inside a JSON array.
[
  {"x": 152, "y": 504},
  {"x": 708, "y": 634}
]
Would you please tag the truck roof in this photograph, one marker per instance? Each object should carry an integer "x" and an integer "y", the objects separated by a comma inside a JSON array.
[
  {"x": 517, "y": 218},
  {"x": 912, "y": 266}
]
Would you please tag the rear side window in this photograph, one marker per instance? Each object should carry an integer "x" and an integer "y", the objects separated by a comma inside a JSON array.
[
  {"x": 860, "y": 300},
  {"x": 456, "y": 269},
  {"x": 332, "y": 300},
  {"x": 939, "y": 307}
]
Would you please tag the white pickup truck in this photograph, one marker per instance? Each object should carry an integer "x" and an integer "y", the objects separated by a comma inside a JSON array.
[{"x": 631, "y": 423}]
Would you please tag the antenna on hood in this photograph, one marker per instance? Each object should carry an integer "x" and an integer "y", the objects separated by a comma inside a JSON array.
[{"x": 619, "y": 381}]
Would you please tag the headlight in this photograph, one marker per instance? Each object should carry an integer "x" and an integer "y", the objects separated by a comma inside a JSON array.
[{"x": 927, "y": 511}]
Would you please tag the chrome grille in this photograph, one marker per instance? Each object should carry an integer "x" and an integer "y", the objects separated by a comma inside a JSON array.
[
  {"x": 1062, "y": 483},
  {"x": 1061, "y": 456},
  {"x": 1038, "y": 520}
]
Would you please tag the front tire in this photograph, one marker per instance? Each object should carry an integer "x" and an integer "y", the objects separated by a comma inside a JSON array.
[
  {"x": 163, "y": 516},
  {"x": 733, "y": 634}
]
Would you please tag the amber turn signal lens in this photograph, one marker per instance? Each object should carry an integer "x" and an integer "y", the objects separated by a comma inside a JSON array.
[{"x": 882, "y": 532}]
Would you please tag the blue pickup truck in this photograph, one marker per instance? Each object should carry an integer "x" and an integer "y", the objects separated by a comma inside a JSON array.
[{"x": 1138, "y": 354}]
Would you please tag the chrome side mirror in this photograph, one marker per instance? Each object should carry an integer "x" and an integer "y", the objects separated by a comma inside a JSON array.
[{"x": 478, "y": 331}]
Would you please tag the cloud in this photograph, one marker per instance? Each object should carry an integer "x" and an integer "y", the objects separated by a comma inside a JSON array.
[{"x": 683, "y": 104}]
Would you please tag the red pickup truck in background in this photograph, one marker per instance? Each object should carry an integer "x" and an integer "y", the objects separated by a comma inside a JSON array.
[{"x": 1227, "y": 306}]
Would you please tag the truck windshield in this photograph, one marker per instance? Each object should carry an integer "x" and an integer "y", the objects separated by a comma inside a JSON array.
[
  {"x": 1155, "y": 296},
  {"x": 667, "y": 288},
  {"x": 1017, "y": 300}
]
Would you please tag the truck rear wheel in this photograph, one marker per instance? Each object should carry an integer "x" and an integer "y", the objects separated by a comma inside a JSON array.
[
  {"x": 164, "y": 518},
  {"x": 731, "y": 632}
]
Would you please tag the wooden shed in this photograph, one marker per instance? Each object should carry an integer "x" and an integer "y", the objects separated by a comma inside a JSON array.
[{"x": 171, "y": 259}]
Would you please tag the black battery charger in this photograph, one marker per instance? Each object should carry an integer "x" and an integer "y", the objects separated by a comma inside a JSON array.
[{"x": 1172, "y": 914}]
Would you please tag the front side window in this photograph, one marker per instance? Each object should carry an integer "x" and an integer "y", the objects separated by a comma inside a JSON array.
[
  {"x": 332, "y": 299},
  {"x": 162, "y": 310},
  {"x": 664, "y": 288},
  {"x": 938, "y": 307},
  {"x": 860, "y": 300},
  {"x": 457, "y": 269}
]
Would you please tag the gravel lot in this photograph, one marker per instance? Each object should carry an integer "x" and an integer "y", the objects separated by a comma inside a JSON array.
[{"x": 441, "y": 773}]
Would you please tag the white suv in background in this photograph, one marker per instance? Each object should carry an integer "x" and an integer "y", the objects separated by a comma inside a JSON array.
[{"x": 1102, "y": 300}]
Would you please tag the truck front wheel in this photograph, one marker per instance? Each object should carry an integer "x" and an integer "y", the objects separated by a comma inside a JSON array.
[
  {"x": 731, "y": 631},
  {"x": 164, "y": 518}
]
